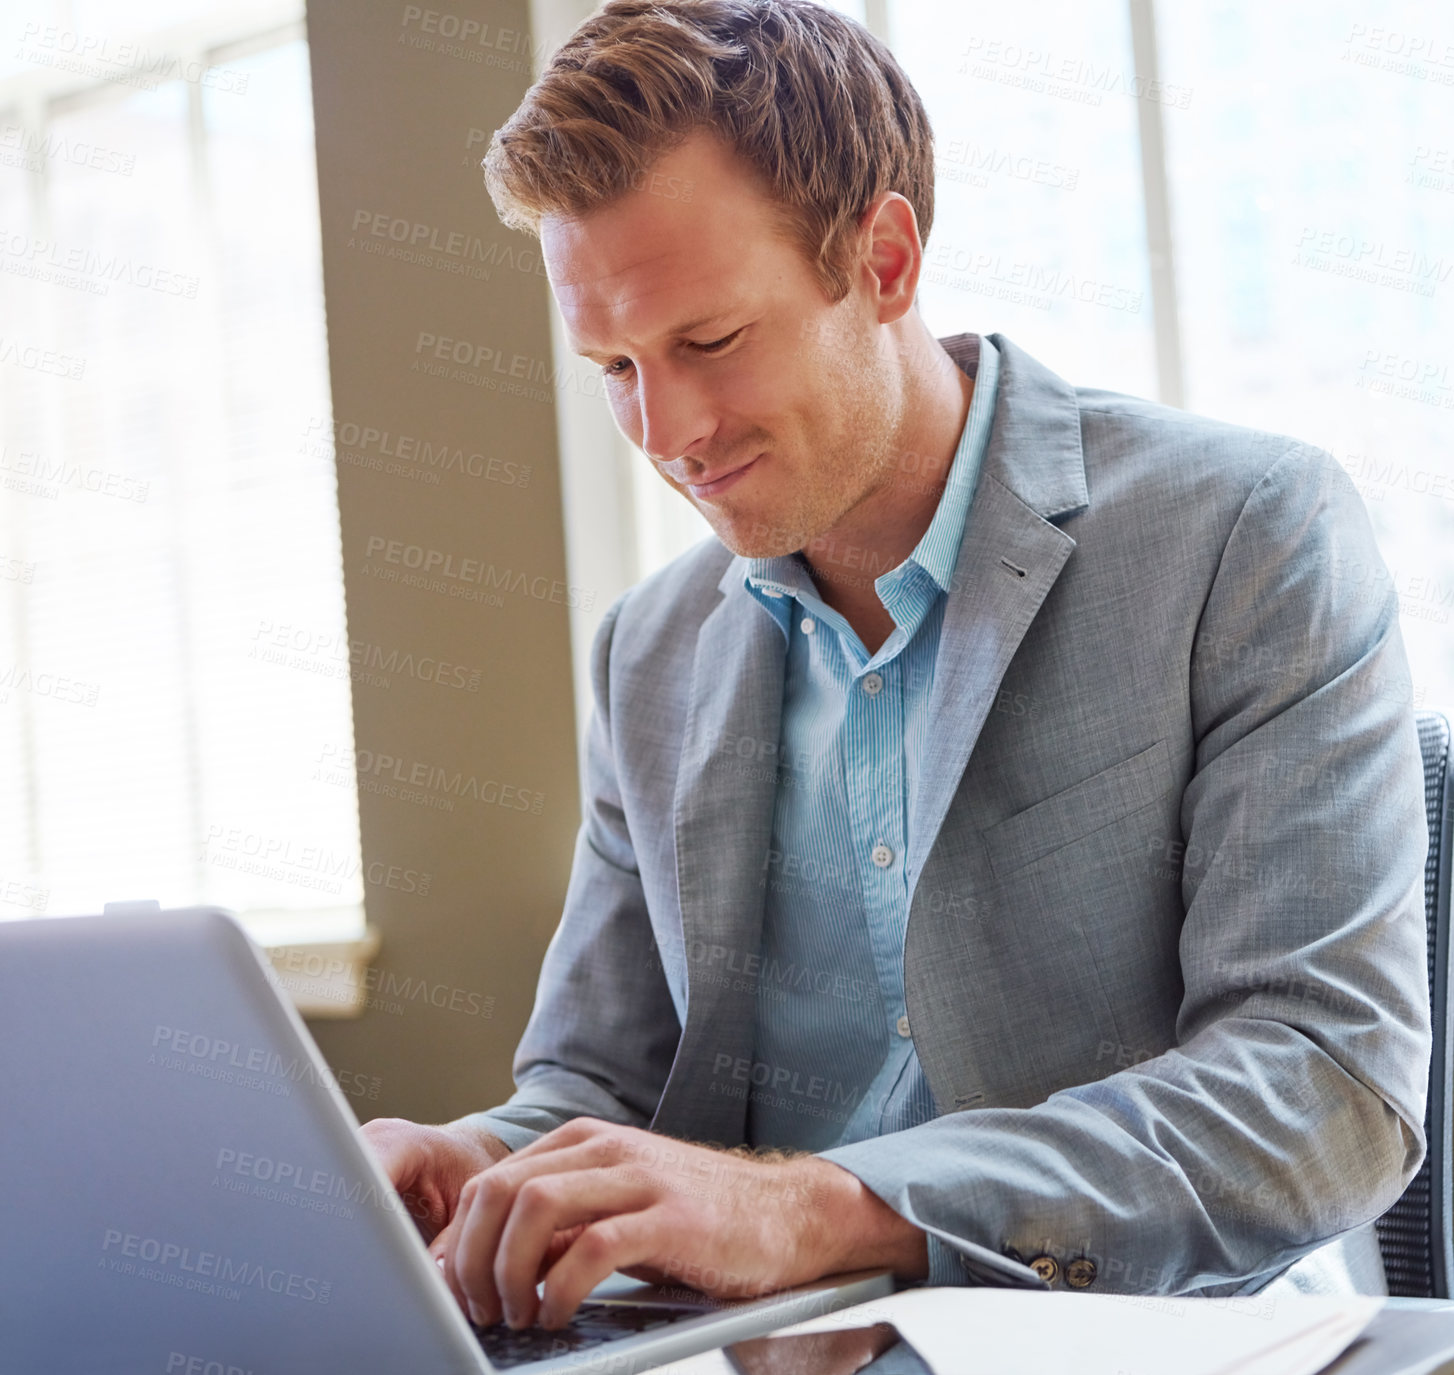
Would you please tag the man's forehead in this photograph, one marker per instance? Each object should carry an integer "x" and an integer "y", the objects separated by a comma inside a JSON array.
[
  {"x": 591, "y": 273},
  {"x": 657, "y": 292}
]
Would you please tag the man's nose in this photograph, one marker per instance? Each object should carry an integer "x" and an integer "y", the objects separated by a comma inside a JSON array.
[{"x": 675, "y": 416}]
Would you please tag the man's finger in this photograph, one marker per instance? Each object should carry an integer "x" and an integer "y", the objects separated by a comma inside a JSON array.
[
  {"x": 560, "y": 1243},
  {"x": 442, "y": 1249},
  {"x": 614, "y": 1243},
  {"x": 489, "y": 1214},
  {"x": 506, "y": 1231},
  {"x": 543, "y": 1207},
  {"x": 584, "y": 1131}
]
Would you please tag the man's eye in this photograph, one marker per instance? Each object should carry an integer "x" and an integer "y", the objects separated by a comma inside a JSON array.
[
  {"x": 716, "y": 343},
  {"x": 618, "y": 367}
]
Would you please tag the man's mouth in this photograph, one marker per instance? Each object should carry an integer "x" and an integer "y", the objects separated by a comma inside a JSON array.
[{"x": 714, "y": 486}]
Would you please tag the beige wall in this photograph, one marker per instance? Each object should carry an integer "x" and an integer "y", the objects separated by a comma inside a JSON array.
[{"x": 404, "y": 106}]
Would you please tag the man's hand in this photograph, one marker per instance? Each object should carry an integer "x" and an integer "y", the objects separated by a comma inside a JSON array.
[
  {"x": 429, "y": 1166},
  {"x": 592, "y": 1197}
]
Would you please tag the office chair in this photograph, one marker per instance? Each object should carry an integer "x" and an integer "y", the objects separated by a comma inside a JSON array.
[{"x": 1416, "y": 1235}]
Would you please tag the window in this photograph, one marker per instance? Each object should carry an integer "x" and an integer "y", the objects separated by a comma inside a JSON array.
[
  {"x": 1312, "y": 181},
  {"x": 172, "y": 641}
]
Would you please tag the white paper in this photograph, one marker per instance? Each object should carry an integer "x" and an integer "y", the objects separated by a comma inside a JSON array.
[{"x": 1016, "y": 1332}]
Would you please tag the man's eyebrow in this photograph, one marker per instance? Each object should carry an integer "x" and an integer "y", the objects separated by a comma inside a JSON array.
[
  {"x": 693, "y": 325},
  {"x": 690, "y": 327}
]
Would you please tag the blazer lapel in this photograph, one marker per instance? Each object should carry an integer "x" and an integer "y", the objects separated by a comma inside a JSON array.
[
  {"x": 1009, "y": 559},
  {"x": 723, "y": 811}
]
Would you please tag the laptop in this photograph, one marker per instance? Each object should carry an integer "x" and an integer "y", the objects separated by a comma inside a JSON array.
[{"x": 185, "y": 1191}]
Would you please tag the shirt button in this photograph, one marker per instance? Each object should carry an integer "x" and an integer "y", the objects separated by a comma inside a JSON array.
[
  {"x": 1081, "y": 1273},
  {"x": 872, "y": 684},
  {"x": 809, "y": 625},
  {"x": 902, "y": 1027},
  {"x": 882, "y": 855}
]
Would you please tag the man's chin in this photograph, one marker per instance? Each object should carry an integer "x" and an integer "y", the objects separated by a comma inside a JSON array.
[
  {"x": 750, "y": 530},
  {"x": 755, "y": 540}
]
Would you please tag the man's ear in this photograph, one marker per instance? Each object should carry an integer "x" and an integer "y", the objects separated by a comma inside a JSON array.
[{"x": 892, "y": 256}]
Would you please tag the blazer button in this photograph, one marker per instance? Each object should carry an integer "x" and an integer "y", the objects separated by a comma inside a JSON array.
[
  {"x": 1047, "y": 1267},
  {"x": 1081, "y": 1273}
]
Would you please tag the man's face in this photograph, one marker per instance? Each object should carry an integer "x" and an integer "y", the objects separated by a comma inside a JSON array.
[{"x": 769, "y": 408}]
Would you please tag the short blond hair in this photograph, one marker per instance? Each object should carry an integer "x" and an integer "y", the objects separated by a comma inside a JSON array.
[{"x": 811, "y": 100}]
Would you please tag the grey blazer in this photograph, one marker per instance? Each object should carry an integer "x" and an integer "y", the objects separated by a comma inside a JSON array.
[{"x": 1165, "y": 963}]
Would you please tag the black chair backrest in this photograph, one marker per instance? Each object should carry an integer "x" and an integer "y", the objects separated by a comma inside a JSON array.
[{"x": 1415, "y": 1234}]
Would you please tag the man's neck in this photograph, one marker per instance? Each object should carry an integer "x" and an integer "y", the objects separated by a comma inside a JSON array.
[{"x": 884, "y": 529}]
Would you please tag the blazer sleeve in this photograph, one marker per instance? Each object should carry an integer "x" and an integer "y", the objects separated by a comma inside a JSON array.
[
  {"x": 1291, "y": 1106},
  {"x": 604, "y": 1030}
]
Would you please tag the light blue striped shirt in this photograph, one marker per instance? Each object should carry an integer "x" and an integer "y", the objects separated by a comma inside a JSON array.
[{"x": 834, "y": 1061}]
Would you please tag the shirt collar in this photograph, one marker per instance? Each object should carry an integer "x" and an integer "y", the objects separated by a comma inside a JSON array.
[{"x": 776, "y": 582}]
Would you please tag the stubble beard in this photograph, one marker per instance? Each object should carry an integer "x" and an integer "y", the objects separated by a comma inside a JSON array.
[{"x": 864, "y": 463}]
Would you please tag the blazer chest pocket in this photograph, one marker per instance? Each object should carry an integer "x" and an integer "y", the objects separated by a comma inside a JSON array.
[{"x": 1078, "y": 811}]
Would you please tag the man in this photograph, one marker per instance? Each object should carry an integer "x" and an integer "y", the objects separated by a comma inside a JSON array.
[{"x": 1006, "y": 833}]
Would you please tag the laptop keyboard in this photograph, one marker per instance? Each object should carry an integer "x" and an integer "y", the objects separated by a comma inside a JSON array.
[{"x": 593, "y": 1324}]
